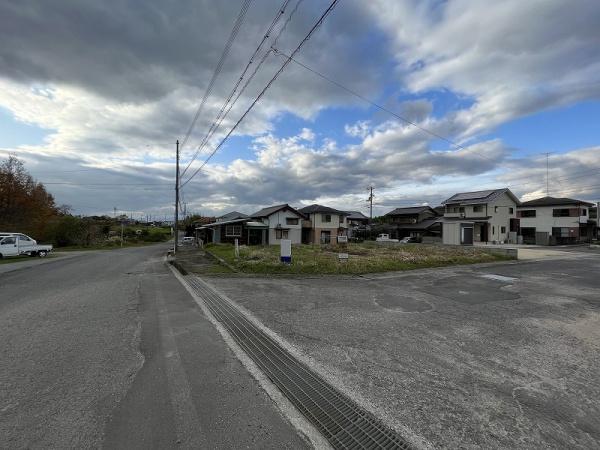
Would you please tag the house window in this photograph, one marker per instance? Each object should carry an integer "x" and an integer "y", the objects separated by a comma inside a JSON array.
[
  {"x": 326, "y": 218},
  {"x": 503, "y": 230},
  {"x": 564, "y": 212},
  {"x": 511, "y": 210},
  {"x": 461, "y": 209},
  {"x": 493, "y": 230},
  {"x": 233, "y": 230},
  {"x": 560, "y": 231},
  {"x": 291, "y": 221},
  {"x": 325, "y": 237},
  {"x": 584, "y": 212},
  {"x": 526, "y": 213},
  {"x": 478, "y": 208},
  {"x": 281, "y": 234},
  {"x": 495, "y": 209}
]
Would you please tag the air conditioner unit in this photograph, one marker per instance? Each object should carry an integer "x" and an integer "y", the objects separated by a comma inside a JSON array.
[{"x": 462, "y": 215}]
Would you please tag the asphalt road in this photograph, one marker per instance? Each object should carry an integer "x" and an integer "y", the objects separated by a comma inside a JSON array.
[
  {"x": 488, "y": 356},
  {"x": 107, "y": 349}
]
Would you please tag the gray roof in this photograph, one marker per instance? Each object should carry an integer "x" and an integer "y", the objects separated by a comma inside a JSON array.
[
  {"x": 554, "y": 201},
  {"x": 265, "y": 212},
  {"x": 321, "y": 209},
  {"x": 409, "y": 210},
  {"x": 356, "y": 215},
  {"x": 475, "y": 197},
  {"x": 226, "y": 222},
  {"x": 232, "y": 215},
  {"x": 422, "y": 225}
]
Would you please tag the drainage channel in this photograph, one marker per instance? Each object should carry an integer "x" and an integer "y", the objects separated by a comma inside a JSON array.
[{"x": 338, "y": 418}]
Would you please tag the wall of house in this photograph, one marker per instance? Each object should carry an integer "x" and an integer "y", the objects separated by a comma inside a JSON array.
[
  {"x": 544, "y": 221},
  {"x": 294, "y": 231},
  {"x": 337, "y": 221},
  {"x": 499, "y": 210},
  {"x": 451, "y": 233}
]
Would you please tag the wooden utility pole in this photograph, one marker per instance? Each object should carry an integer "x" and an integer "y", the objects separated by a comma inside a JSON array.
[{"x": 176, "y": 194}]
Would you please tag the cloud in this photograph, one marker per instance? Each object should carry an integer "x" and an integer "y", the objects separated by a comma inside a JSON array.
[
  {"x": 116, "y": 84},
  {"x": 512, "y": 57}
]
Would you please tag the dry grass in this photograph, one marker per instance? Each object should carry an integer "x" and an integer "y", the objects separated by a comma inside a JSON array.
[{"x": 363, "y": 258}]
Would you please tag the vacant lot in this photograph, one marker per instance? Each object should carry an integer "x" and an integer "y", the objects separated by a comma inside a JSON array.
[
  {"x": 363, "y": 258},
  {"x": 496, "y": 357}
]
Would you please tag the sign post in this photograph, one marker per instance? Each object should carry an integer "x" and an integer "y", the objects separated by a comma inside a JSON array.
[{"x": 286, "y": 251}]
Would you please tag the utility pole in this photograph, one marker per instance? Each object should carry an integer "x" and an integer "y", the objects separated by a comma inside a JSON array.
[
  {"x": 176, "y": 194},
  {"x": 115, "y": 212},
  {"x": 370, "y": 200}
]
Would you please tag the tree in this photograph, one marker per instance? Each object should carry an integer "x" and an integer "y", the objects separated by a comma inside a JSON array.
[{"x": 25, "y": 205}]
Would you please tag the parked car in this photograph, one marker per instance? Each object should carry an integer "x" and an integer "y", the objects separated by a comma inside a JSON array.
[
  {"x": 385, "y": 238},
  {"x": 409, "y": 240},
  {"x": 16, "y": 244},
  {"x": 187, "y": 240}
]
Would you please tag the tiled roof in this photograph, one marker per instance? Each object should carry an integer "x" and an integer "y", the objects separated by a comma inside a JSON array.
[
  {"x": 409, "y": 210},
  {"x": 554, "y": 201},
  {"x": 265, "y": 212},
  {"x": 320, "y": 209}
]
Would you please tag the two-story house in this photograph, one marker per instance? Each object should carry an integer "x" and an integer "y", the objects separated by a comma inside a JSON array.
[
  {"x": 481, "y": 216},
  {"x": 412, "y": 221},
  {"x": 283, "y": 221},
  {"x": 324, "y": 224},
  {"x": 551, "y": 220}
]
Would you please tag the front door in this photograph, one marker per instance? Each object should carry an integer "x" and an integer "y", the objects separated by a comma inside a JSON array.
[
  {"x": 467, "y": 236},
  {"x": 8, "y": 246}
]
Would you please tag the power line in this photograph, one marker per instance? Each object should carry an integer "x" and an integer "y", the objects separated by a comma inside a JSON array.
[
  {"x": 377, "y": 105},
  {"x": 222, "y": 113},
  {"x": 260, "y": 95},
  {"x": 236, "y": 28}
]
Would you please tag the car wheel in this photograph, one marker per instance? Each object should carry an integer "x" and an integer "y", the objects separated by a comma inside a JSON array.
[{"x": 42, "y": 253}]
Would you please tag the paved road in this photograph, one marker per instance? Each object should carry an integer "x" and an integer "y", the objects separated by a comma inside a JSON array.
[
  {"x": 108, "y": 349},
  {"x": 490, "y": 356}
]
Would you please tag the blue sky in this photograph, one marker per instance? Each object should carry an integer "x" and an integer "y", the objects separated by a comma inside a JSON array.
[{"x": 112, "y": 95}]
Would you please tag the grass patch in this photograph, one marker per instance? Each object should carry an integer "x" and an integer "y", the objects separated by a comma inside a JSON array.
[
  {"x": 13, "y": 259},
  {"x": 365, "y": 257}
]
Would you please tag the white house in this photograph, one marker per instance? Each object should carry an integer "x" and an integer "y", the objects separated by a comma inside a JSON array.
[
  {"x": 550, "y": 220},
  {"x": 480, "y": 216},
  {"x": 284, "y": 222}
]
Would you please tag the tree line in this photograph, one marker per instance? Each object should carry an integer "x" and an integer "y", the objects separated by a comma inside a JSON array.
[{"x": 27, "y": 207}]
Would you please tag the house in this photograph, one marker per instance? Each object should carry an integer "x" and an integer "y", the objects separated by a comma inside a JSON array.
[
  {"x": 357, "y": 222},
  {"x": 551, "y": 220},
  {"x": 231, "y": 216},
  {"x": 282, "y": 221},
  {"x": 414, "y": 221},
  {"x": 356, "y": 219},
  {"x": 324, "y": 224},
  {"x": 245, "y": 230},
  {"x": 593, "y": 215},
  {"x": 480, "y": 216}
]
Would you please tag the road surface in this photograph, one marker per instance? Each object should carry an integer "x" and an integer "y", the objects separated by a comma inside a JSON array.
[{"x": 107, "y": 349}]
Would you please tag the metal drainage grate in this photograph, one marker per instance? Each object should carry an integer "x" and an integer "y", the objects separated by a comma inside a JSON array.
[{"x": 338, "y": 418}]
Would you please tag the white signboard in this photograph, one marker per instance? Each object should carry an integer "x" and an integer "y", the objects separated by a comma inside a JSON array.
[
  {"x": 342, "y": 239},
  {"x": 286, "y": 251}
]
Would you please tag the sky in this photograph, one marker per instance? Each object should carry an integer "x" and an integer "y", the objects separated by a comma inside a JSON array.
[{"x": 452, "y": 96}]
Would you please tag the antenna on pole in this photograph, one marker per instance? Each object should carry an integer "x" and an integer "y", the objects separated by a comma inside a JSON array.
[{"x": 547, "y": 178}]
